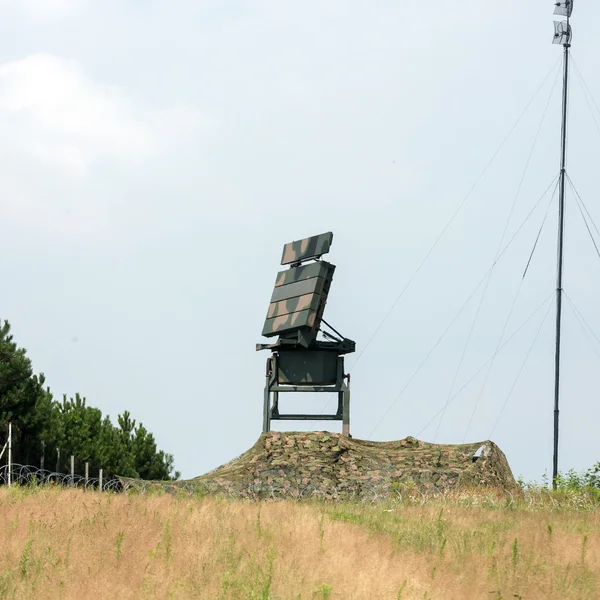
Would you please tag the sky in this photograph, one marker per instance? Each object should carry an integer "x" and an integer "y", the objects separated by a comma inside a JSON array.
[{"x": 155, "y": 156}]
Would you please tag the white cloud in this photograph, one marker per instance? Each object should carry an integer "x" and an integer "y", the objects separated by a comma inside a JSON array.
[
  {"x": 55, "y": 113},
  {"x": 47, "y": 9},
  {"x": 58, "y": 125}
]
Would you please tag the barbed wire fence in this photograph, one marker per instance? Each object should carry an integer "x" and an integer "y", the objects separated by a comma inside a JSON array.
[
  {"x": 16, "y": 474},
  {"x": 69, "y": 471}
]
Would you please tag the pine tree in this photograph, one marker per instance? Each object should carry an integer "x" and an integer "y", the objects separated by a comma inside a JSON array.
[
  {"x": 23, "y": 400},
  {"x": 41, "y": 425},
  {"x": 150, "y": 462}
]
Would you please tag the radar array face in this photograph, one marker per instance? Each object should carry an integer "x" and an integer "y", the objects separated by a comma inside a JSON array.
[
  {"x": 302, "y": 250},
  {"x": 300, "y": 292}
]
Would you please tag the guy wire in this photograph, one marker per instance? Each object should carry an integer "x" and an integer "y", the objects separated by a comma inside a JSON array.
[
  {"x": 487, "y": 283},
  {"x": 467, "y": 301},
  {"x": 520, "y": 370},
  {"x": 472, "y": 378}
]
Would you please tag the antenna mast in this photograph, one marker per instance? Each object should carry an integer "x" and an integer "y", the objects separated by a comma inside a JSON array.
[{"x": 562, "y": 35}]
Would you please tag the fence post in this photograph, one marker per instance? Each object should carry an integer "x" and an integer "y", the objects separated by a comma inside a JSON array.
[
  {"x": 43, "y": 455},
  {"x": 58, "y": 460},
  {"x": 72, "y": 468},
  {"x": 100, "y": 480},
  {"x": 9, "y": 453},
  {"x": 87, "y": 473}
]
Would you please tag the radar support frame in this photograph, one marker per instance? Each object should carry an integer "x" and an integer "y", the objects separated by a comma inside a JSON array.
[
  {"x": 299, "y": 362},
  {"x": 273, "y": 387}
]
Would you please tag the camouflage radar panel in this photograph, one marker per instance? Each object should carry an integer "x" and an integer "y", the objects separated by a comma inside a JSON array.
[
  {"x": 298, "y": 300},
  {"x": 300, "y": 292},
  {"x": 311, "y": 247}
]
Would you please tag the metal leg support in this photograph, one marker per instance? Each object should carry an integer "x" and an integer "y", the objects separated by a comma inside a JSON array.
[
  {"x": 267, "y": 408},
  {"x": 346, "y": 410},
  {"x": 272, "y": 387}
]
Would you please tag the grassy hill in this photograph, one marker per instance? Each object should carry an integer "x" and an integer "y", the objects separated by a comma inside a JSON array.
[
  {"x": 72, "y": 544},
  {"x": 331, "y": 466}
]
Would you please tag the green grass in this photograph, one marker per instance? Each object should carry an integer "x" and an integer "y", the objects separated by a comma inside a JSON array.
[{"x": 74, "y": 544}]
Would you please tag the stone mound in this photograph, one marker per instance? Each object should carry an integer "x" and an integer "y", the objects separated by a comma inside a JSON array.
[{"x": 331, "y": 466}]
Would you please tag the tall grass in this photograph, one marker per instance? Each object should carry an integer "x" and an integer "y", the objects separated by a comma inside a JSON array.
[{"x": 74, "y": 544}]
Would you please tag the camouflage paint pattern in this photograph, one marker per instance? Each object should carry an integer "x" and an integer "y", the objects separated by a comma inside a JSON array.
[
  {"x": 307, "y": 248},
  {"x": 314, "y": 269},
  {"x": 298, "y": 299},
  {"x": 314, "y": 285},
  {"x": 333, "y": 467},
  {"x": 290, "y": 322},
  {"x": 285, "y": 307}
]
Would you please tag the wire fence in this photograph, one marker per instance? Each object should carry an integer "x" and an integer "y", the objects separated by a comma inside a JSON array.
[
  {"x": 58, "y": 467},
  {"x": 15, "y": 474},
  {"x": 28, "y": 475},
  {"x": 19, "y": 462}
]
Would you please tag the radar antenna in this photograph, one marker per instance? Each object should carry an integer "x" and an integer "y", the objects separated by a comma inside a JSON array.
[{"x": 300, "y": 362}]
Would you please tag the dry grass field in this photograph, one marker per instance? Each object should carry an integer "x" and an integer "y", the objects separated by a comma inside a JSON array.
[{"x": 72, "y": 544}]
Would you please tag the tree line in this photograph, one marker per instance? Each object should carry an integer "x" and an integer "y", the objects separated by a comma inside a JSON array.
[{"x": 43, "y": 426}]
